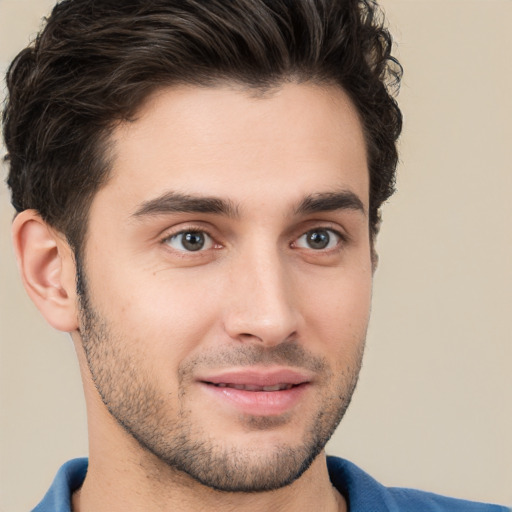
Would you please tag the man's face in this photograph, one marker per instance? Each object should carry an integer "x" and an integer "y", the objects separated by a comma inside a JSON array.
[{"x": 228, "y": 280}]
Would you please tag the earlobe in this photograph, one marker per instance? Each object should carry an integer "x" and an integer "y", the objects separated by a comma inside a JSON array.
[{"x": 47, "y": 268}]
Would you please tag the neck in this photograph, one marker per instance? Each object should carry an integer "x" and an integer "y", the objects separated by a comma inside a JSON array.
[{"x": 117, "y": 485}]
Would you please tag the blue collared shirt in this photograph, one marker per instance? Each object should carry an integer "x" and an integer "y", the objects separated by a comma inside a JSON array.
[{"x": 362, "y": 492}]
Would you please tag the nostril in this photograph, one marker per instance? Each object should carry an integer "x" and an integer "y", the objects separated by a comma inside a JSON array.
[{"x": 269, "y": 337}]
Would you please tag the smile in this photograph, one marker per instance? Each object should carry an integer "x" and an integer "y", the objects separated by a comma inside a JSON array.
[{"x": 257, "y": 391}]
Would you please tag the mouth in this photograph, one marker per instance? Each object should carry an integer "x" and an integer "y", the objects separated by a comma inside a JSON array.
[
  {"x": 257, "y": 392},
  {"x": 251, "y": 387}
]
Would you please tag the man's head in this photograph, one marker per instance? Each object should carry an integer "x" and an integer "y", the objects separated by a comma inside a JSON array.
[
  {"x": 244, "y": 260},
  {"x": 211, "y": 175},
  {"x": 96, "y": 61}
]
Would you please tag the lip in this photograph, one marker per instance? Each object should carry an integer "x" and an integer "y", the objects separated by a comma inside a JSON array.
[
  {"x": 258, "y": 377},
  {"x": 291, "y": 384}
]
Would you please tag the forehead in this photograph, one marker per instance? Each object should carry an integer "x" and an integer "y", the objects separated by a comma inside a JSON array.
[{"x": 296, "y": 140}]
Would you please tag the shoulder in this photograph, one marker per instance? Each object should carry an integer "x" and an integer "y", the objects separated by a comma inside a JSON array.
[
  {"x": 364, "y": 493},
  {"x": 69, "y": 478}
]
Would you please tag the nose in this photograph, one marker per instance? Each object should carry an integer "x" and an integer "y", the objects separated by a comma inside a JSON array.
[{"x": 262, "y": 305}]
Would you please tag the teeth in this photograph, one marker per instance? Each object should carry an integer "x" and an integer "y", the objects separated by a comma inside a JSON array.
[
  {"x": 249, "y": 387},
  {"x": 277, "y": 387}
]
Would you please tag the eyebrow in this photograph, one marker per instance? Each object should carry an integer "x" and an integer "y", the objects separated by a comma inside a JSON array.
[
  {"x": 330, "y": 201},
  {"x": 174, "y": 202}
]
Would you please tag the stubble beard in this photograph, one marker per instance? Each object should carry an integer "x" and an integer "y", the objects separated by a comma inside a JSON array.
[{"x": 127, "y": 390}]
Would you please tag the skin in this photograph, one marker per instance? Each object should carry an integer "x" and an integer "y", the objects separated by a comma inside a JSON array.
[{"x": 157, "y": 320}]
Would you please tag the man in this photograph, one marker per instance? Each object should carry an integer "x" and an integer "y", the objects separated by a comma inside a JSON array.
[{"x": 198, "y": 188}]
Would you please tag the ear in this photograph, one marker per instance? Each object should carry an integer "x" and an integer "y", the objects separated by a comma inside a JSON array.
[{"x": 47, "y": 267}]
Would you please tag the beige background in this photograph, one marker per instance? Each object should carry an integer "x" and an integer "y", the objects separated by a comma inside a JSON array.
[{"x": 434, "y": 406}]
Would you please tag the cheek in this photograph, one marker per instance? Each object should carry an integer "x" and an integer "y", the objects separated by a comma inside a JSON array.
[
  {"x": 339, "y": 311},
  {"x": 168, "y": 313}
]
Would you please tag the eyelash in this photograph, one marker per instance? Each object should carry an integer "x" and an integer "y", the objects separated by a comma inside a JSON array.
[
  {"x": 339, "y": 238},
  {"x": 191, "y": 230}
]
